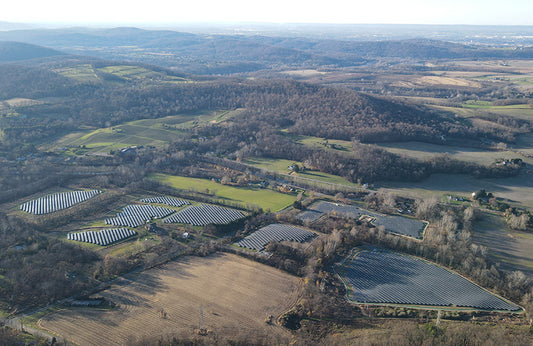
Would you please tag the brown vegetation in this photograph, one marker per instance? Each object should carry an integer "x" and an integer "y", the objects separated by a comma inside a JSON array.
[{"x": 233, "y": 294}]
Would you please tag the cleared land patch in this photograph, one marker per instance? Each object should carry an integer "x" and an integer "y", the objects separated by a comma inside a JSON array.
[
  {"x": 392, "y": 223},
  {"x": 517, "y": 189},
  {"x": 82, "y": 73},
  {"x": 419, "y": 150},
  {"x": 384, "y": 277},
  {"x": 234, "y": 293},
  {"x": 264, "y": 198},
  {"x": 154, "y": 132},
  {"x": 282, "y": 166},
  {"x": 511, "y": 250}
]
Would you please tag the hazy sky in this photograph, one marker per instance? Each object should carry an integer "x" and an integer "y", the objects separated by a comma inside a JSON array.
[{"x": 509, "y": 12}]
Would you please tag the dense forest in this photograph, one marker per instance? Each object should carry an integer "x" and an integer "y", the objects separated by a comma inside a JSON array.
[
  {"x": 273, "y": 109},
  {"x": 214, "y": 54}
]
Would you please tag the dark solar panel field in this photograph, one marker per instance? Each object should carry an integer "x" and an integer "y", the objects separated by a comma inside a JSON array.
[
  {"x": 57, "y": 201},
  {"x": 174, "y": 202},
  {"x": 204, "y": 214},
  {"x": 384, "y": 277},
  {"x": 275, "y": 232},
  {"x": 135, "y": 215},
  {"x": 103, "y": 237},
  {"x": 392, "y": 223}
]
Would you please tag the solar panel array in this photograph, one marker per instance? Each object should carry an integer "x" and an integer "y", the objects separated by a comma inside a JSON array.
[
  {"x": 57, "y": 201},
  {"x": 387, "y": 277},
  {"x": 275, "y": 232},
  {"x": 204, "y": 214},
  {"x": 103, "y": 237},
  {"x": 174, "y": 202},
  {"x": 392, "y": 223},
  {"x": 136, "y": 215}
]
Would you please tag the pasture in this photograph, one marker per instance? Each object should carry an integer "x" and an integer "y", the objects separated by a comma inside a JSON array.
[
  {"x": 233, "y": 294},
  {"x": 427, "y": 151},
  {"x": 81, "y": 73},
  {"x": 282, "y": 166},
  {"x": 517, "y": 190},
  {"x": 154, "y": 132},
  {"x": 264, "y": 198},
  {"x": 382, "y": 277},
  {"x": 511, "y": 250}
]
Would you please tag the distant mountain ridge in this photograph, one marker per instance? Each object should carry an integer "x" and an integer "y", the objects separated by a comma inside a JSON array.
[
  {"x": 212, "y": 54},
  {"x": 17, "y": 51}
]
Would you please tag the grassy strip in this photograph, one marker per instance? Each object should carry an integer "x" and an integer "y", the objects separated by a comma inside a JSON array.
[
  {"x": 264, "y": 198},
  {"x": 281, "y": 166}
]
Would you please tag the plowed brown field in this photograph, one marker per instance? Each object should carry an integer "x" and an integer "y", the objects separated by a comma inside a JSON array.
[{"x": 235, "y": 295}]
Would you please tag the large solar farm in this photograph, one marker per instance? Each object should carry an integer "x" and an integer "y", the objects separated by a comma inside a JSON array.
[
  {"x": 227, "y": 293},
  {"x": 392, "y": 223},
  {"x": 169, "y": 210},
  {"x": 376, "y": 276}
]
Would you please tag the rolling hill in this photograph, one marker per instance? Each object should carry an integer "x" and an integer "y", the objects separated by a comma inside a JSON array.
[
  {"x": 17, "y": 51},
  {"x": 214, "y": 54}
]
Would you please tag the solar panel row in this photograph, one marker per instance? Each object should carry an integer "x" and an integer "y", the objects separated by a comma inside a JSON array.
[
  {"x": 57, "y": 201},
  {"x": 204, "y": 214},
  {"x": 103, "y": 237},
  {"x": 174, "y": 202},
  {"x": 136, "y": 215},
  {"x": 387, "y": 277},
  {"x": 275, "y": 232}
]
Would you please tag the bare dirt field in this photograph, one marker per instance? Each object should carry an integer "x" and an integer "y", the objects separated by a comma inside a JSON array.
[{"x": 234, "y": 294}]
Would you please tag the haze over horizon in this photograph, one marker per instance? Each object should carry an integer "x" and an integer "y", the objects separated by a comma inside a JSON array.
[{"x": 165, "y": 12}]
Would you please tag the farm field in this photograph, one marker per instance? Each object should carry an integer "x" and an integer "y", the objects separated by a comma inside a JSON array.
[
  {"x": 235, "y": 295},
  {"x": 511, "y": 250},
  {"x": 426, "y": 151},
  {"x": 82, "y": 73},
  {"x": 383, "y": 277},
  {"x": 264, "y": 198},
  {"x": 154, "y": 132},
  {"x": 392, "y": 223},
  {"x": 517, "y": 190},
  {"x": 281, "y": 166}
]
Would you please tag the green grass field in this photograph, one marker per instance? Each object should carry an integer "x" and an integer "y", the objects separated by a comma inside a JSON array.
[
  {"x": 264, "y": 198},
  {"x": 317, "y": 142},
  {"x": 281, "y": 166},
  {"x": 154, "y": 132},
  {"x": 82, "y": 73}
]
